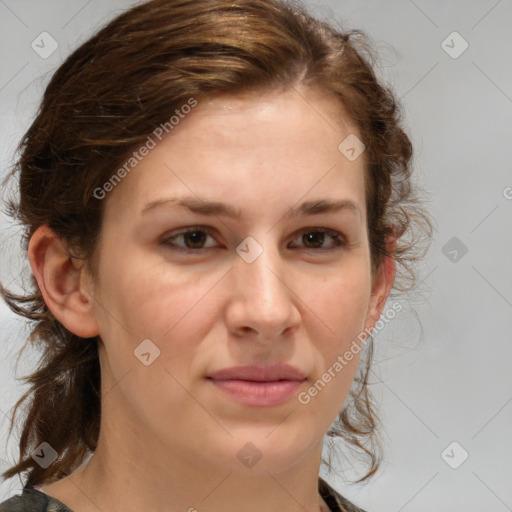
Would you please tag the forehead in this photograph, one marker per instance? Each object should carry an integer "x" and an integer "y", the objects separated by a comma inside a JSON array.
[
  {"x": 251, "y": 147},
  {"x": 300, "y": 106}
]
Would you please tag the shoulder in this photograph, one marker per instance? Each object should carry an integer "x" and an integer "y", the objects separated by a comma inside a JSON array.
[
  {"x": 28, "y": 501},
  {"x": 335, "y": 501},
  {"x": 31, "y": 500}
]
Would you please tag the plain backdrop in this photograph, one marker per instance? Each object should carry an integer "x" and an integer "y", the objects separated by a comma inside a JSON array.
[{"x": 442, "y": 374}]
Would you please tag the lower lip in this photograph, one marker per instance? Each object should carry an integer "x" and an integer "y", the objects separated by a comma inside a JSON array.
[{"x": 259, "y": 394}]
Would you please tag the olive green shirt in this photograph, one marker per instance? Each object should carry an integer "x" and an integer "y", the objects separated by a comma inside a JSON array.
[{"x": 32, "y": 500}]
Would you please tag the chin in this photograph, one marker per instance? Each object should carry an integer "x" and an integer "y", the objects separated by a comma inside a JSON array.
[{"x": 269, "y": 450}]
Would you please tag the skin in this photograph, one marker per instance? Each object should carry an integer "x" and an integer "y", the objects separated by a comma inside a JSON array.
[{"x": 169, "y": 438}]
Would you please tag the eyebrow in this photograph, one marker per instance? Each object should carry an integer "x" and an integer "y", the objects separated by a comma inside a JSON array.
[{"x": 220, "y": 209}]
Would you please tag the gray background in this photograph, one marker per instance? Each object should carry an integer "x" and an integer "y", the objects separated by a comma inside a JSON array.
[{"x": 442, "y": 367}]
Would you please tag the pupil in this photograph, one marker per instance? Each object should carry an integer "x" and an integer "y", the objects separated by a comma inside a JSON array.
[
  {"x": 311, "y": 236},
  {"x": 190, "y": 235}
]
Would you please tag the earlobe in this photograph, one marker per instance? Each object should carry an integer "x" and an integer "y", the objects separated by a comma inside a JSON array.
[{"x": 60, "y": 280}]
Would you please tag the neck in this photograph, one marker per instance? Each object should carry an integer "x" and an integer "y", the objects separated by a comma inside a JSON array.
[
  {"x": 133, "y": 476},
  {"x": 181, "y": 486}
]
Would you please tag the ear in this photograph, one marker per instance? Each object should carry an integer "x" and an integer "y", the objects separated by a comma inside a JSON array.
[
  {"x": 381, "y": 286},
  {"x": 62, "y": 282}
]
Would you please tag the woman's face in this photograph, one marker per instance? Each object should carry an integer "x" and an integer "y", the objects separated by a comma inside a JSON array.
[{"x": 258, "y": 289}]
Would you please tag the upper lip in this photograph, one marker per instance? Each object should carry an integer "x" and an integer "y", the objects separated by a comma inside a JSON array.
[{"x": 259, "y": 373}]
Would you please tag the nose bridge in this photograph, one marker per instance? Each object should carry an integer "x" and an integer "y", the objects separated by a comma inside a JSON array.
[
  {"x": 261, "y": 287},
  {"x": 261, "y": 271}
]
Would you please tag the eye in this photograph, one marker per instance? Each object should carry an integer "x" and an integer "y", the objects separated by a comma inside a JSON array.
[
  {"x": 314, "y": 239},
  {"x": 194, "y": 238}
]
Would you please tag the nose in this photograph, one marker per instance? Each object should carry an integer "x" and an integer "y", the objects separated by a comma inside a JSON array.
[{"x": 263, "y": 304}]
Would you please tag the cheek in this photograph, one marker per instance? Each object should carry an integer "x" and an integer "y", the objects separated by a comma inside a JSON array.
[
  {"x": 341, "y": 300},
  {"x": 341, "y": 305},
  {"x": 140, "y": 303},
  {"x": 145, "y": 296},
  {"x": 159, "y": 303}
]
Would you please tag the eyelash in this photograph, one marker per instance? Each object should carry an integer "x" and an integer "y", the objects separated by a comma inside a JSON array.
[{"x": 336, "y": 236}]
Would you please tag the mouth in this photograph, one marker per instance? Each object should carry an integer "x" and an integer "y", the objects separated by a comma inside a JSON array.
[
  {"x": 258, "y": 393},
  {"x": 257, "y": 386}
]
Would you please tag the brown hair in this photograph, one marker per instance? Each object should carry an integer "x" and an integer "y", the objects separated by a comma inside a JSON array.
[{"x": 105, "y": 100}]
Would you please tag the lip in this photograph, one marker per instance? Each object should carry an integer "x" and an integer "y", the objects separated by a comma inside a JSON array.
[
  {"x": 259, "y": 373},
  {"x": 259, "y": 386}
]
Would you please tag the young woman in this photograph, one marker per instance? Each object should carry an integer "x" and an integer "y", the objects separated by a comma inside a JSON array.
[{"x": 217, "y": 200}]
